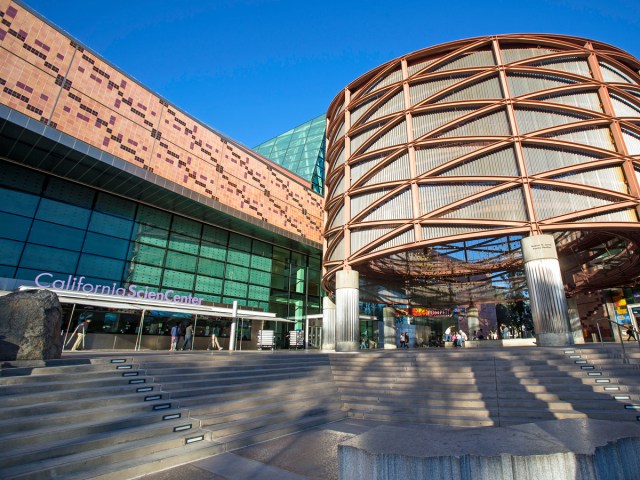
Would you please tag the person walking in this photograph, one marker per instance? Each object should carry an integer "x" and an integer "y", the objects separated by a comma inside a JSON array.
[
  {"x": 175, "y": 333},
  {"x": 402, "y": 340},
  {"x": 630, "y": 334},
  {"x": 506, "y": 334},
  {"x": 188, "y": 338},
  {"x": 214, "y": 341},
  {"x": 80, "y": 331}
]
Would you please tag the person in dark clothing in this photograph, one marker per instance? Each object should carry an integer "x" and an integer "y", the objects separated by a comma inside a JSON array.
[
  {"x": 631, "y": 334},
  {"x": 188, "y": 338}
]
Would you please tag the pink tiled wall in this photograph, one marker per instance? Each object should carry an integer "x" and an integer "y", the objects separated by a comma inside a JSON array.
[{"x": 45, "y": 75}]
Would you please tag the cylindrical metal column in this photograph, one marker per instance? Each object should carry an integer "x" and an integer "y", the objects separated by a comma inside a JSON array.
[
  {"x": 574, "y": 321},
  {"x": 389, "y": 320},
  {"x": 347, "y": 311},
  {"x": 328, "y": 324},
  {"x": 473, "y": 321},
  {"x": 546, "y": 291},
  {"x": 234, "y": 326}
]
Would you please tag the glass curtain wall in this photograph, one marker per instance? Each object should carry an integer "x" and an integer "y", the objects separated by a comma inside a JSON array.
[{"x": 53, "y": 225}]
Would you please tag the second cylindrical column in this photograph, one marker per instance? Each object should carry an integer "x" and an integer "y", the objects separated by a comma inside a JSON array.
[
  {"x": 347, "y": 311},
  {"x": 546, "y": 291}
]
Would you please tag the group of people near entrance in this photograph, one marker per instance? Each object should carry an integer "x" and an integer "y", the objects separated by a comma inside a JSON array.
[
  {"x": 187, "y": 343},
  {"x": 457, "y": 337}
]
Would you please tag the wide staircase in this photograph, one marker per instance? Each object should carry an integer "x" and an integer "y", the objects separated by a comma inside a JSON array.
[
  {"x": 484, "y": 387},
  {"x": 119, "y": 417},
  {"x": 122, "y": 417}
]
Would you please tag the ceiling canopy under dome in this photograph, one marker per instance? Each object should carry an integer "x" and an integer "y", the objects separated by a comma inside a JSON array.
[{"x": 490, "y": 270}]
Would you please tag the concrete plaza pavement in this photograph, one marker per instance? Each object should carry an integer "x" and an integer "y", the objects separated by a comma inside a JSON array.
[{"x": 308, "y": 455}]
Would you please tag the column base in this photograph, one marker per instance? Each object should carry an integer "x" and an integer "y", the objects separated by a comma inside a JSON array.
[
  {"x": 555, "y": 340},
  {"x": 347, "y": 347}
]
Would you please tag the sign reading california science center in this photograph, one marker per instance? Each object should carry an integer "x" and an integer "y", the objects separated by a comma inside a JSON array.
[{"x": 77, "y": 284}]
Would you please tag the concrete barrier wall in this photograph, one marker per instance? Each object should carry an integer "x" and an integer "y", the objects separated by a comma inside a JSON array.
[{"x": 559, "y": 450}]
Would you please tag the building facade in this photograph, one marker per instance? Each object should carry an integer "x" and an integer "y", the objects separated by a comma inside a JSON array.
[
  {"x": 440, "y": 163},
  {"x": 110, "y": 191}
]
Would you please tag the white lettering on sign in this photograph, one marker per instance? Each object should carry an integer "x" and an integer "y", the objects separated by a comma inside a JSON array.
[{"x": 78, "y": 284}]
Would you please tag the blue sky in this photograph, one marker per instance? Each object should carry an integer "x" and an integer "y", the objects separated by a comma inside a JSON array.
[{"x": 253, "y": 69}]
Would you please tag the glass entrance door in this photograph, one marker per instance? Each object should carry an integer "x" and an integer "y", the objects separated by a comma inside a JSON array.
[{"x": 315, "y": 337}]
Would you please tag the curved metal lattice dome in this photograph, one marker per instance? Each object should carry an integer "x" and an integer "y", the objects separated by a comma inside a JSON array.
[{"x": 440, "y": 161}]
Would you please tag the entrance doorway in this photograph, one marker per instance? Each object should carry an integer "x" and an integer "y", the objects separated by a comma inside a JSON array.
[{"x": 315, "y": 337}]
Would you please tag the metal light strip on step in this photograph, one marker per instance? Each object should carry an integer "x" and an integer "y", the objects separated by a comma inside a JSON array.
[
  {"x": 587, "y": 367},
  {"x": 130, "y": 374},
  {"x": 118, "y": 360},
  {"x": 580, "y": 362},
  {"x": 575, "y": 356},
  {"x": 150, "y": 398},
  {"x": 144, "y": 389},
  {"x": 632, "y": 407},
  {"x": 622, "y": 397},
  {"x": 603, "y": 380},
  {"x": 181, "y": 428},
  {"x": 569, "y": 351},
  {"x": 124, "y": 367},
  {"x": 611, "y": 389},
  {"x": 594, "y": 374},
  {"x": 162, "y": 406},
  {"x": 137, "y": 380},
  {"x": 199, "y": 438},
  {"x": 172, "y": 416}
]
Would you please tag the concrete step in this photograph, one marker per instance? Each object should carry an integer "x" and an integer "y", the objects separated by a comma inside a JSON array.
[
  {"x": 149, "y": 463},
  {"x": 122, "y": 401},
  {"x": 445, "y": 369},
  {"x": 240, "y": 384},
  {"x": 42, "y": 450},
  {"x": 483, "y": 407},
  {"x": 85, "y": 462},
  {"x": 481, "y": 416},
  {"x": 44, "y": 375},
  {"x": 223, "y": 393},
  {"x": 207, "y": 405},
  {"x": 235, "y": 377},
  {"x": 289, "y": 412},
  {"x": 405, "y": 419},
  {"x": 52, "y": 366},
  {"x": 269, "y": 432},
  {"x": 176, "y": 375},
  {"x": 17, "y": 440},
  {"x": 211, "y": 417},
  {"x": 460, "y": 420},
  {"x": 35, "y": 397},
  {"x": 204, "y": 363},
  {"x": 425, "y": 394},
  {"x": 74, "y": 383},
  {"x": 96, "y": 414}
]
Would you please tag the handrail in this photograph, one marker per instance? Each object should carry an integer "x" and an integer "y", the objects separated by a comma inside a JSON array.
[{"x": 625, "y": 359}]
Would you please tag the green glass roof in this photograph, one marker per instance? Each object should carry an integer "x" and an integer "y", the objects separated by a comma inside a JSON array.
[{"x": 300, "y": 150}]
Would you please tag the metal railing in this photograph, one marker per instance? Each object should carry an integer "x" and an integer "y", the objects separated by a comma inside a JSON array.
[{"x": 625, "y": 359}]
